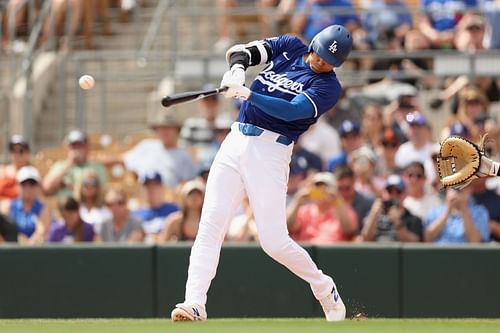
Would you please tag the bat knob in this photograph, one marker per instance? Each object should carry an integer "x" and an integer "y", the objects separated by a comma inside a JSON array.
[{"x": 166, "y": 101}]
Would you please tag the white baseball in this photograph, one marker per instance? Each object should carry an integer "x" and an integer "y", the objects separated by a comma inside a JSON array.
[{"x": 86, "y": 82}]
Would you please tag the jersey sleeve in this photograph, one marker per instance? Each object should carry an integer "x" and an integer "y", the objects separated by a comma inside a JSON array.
[
  {"x": 286, "y": 43},
  {"x": 323, "y": 95}
]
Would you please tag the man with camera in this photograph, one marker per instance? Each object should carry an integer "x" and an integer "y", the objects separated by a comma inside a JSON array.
[{"x": 388, "y": 220}]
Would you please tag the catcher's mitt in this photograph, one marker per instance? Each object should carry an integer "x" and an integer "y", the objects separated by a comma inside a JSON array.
[{"x": 460, "y": 161}]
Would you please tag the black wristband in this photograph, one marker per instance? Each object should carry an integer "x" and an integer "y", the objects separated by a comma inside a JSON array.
[{"x": 241, "y": 58}]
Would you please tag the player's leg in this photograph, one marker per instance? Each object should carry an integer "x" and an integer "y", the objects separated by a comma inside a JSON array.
[
  {"x": 265, "y": 177},
  {"x": 223, "y": 194}
]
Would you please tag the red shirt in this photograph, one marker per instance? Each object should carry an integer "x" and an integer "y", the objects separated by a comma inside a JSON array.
[{"x": 321, "y": 226}]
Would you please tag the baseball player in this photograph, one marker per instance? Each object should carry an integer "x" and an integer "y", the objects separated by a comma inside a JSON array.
[{"x": 296, "y": 87}]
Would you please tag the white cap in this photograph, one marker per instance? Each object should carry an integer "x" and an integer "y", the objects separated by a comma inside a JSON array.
[
  {"x": 326, "y": 178},
  {"x": 191, "y": 186},
  {"x": 26, "y": 173}
]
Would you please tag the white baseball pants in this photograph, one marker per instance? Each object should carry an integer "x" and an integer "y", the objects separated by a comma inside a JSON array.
[{"x": 258, "y": 165}]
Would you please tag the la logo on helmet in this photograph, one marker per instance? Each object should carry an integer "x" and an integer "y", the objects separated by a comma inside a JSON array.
[{"x": 333, "y": 47}]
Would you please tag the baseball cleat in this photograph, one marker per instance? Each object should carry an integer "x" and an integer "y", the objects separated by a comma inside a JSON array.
[
  {"x": 333, "y": 307},
  {"x": 188, "y": 312}
]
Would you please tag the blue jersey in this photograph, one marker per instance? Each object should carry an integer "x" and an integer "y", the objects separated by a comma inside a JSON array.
[{"x": 286, "y": 76}]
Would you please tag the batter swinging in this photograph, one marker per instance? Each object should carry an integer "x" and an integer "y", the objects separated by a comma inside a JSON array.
[{"x": 296, "y": 87}]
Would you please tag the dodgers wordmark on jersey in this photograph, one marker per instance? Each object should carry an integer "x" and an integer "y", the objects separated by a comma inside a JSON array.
[{"x": 286, "y": 76}]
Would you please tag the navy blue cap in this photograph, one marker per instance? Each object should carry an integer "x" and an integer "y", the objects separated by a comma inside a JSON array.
[
  {"x": 416, "y": 118},
  {"x": 459, "y": 129},
  {"x": 348, "y": 126},
  {"x": 150, "y": 176},
  {"x": 396, "y": 181}
]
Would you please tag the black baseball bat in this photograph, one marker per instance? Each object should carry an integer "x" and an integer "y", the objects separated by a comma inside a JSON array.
[{"x": 188, "y": 96}]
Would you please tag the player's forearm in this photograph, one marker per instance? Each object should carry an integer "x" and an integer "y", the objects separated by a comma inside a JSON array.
[{"x": 298, "y": 108}]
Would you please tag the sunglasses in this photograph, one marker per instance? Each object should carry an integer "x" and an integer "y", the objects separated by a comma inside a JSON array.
[{"x": 90, "y": 182}]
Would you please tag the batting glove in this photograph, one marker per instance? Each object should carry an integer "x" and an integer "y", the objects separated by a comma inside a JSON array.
[
  {"x": 234, "y": 76},
  {"x": 238, "y": 91}
]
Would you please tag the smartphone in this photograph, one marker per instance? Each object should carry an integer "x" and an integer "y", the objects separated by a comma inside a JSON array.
[{"x": 389, "y": 203}]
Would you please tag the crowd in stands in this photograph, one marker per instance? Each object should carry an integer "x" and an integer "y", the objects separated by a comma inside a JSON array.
[
  {"x": 366, "y": 172},
  {"x": 378, "y": 183}
]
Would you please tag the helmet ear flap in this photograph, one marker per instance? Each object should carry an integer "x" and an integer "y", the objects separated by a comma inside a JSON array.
[{"x": 310, "y": 49}]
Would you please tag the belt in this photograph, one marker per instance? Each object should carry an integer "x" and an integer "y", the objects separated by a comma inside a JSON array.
[{"x": 252, "y": 130}]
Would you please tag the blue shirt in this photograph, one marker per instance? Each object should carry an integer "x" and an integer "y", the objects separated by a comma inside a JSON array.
[
  {"x": 326, "y": 13},
  {"x": 25, "y": 220},
  {"x": 285, "y": 77},
  {"x": 153, "y": 218},
  {"x": 445, "y": 14},
  {"x": 453, "y": 231}
]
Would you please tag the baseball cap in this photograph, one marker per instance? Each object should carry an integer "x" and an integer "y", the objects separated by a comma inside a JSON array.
[
  {"x": 416, "y": 118},
  {"x": 396, "y": 181},
  {"x": 326, "y": 178},
  {"x": 151, "y": 176},
  {"x": 192, "y": 185},
  {"x": 18, "y": 139},
  {"x": 165, "y": 119},
  {"x": 459, "y": 129},
  {"x": 28, "y": 172},
  {"x": 348, "y": 126},
  {"x": 298, "y": 165},
  {"x": 76, "y": 136}
]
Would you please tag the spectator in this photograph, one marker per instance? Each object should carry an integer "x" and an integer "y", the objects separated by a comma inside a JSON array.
[
  {"x": 372, "y": 125},
  {"x": 386, "y": 164},
  {"x": 419, "y": 146},
  {"x": 27, "y": 210},
  {"x": 90, "y": 194},
  {"x": 350, "y": 139},
  {"x": 227, "y": 19},
  {"x": 19, "y": 150},
  {"x": 319, "y": 215},
  {"x": 162, "y": 154},
  {"x": 470, "y": 32},
  {"x": 183, "y": 225},
  {"x": 418, "y": 201},
  {"x": 65, "y": 174},
  {"x": 322, "y": 140},
  {"x": 491, "y": 9},
  {"x": 383, "y": 18},
  {"x": 439, "y": 19},
  {"x": 457, "y": 220},
  {"x": 8, "y": 229},
  {"x": 358, "y": 201},
  {"x": 312, "y": 16},
  {"x": 242, "y": 227},
  {"x": 362, "y": 161},
  {"x": 71, "y": 228},
  {"x": 198, "y": 132},
  {"x": 472, "y": 104},
  {"x": 490, "y": 200},
  {"x": 388, "y": 220},
  {"x": 156, "y": 209},
  {"x": 297, "y": 176},
  {"x": 122, "y": 227}
]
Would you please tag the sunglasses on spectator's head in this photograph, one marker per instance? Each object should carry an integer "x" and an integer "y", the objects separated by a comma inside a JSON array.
[{"x": 90, "y": 182}]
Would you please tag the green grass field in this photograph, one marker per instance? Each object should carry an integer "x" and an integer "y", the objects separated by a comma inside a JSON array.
[{"x": 249, "y": 325}]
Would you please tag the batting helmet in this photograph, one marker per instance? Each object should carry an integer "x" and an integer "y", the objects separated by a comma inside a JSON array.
[{"x": 332, "y": 44}]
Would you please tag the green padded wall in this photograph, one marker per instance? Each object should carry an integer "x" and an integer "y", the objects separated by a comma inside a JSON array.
[
  {"x": 76, "y": 281},
  {"x": 367, "y": 277},
  {"x": 451, "y": 281},
  {"x": 248, "y": 284}
]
